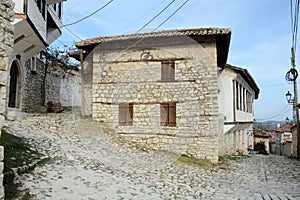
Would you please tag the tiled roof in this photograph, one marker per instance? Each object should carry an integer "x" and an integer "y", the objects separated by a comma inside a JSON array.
[
  {"x": 260, "y": 133},
  {"x": 247, "y": 77},
  {"x": 164, "y": 33},
  {"x": 285, "y": 128}
]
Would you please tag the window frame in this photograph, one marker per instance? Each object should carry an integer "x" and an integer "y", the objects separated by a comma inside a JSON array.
[
  {"x": 168, "y": 71},
  {"x": 168, "y": 114},
  {"x": 126, "y": 114}
]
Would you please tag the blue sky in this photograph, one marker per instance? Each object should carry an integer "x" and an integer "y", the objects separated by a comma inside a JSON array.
[{"x": 260, "y": 42}]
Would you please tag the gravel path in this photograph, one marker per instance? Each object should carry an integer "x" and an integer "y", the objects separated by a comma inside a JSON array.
[{"x": 88, "y": 164}]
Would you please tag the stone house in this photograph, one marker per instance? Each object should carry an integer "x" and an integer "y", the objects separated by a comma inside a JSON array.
[
  {"x": 262, "y": 136},
  {"x": 159, "y": 89},
  {"x": 283, "y": 143}
]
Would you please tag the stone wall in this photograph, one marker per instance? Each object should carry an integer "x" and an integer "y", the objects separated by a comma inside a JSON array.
[
  {"x": 53, "y": 83},
  {"x": 294, "y": 143},
  {"x": 33, "y": 84},
  {"x": 125, "y": 78},
  {"x": 70, "y": 90},
  {"x": 231, "y": 141},
  {"x": 56, "y": 86},
  {"x": 6, "y": 45},
  {"x": 86, "y": 85}
]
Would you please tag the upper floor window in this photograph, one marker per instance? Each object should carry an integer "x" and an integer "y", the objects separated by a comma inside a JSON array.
[
  {"x": 41, "y": 4},
  {"x": 57, "y": 7},
  {"x": 168, "y": 70},
  {"x": 243, "y": 98},
  {"x": 59, "y": 10}
]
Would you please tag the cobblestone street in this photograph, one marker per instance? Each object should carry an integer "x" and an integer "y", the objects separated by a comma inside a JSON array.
[{"x": 88, "y": 164}]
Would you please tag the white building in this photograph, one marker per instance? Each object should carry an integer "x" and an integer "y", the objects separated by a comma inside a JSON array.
[
  {"x": 37, "y": 24},
  {"x": 237, "y": 91}
]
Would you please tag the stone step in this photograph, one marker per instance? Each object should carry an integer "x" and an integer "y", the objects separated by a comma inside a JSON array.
[{"x": 13, "y": 114}]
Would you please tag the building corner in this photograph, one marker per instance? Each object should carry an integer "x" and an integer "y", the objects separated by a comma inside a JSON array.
[{"x": 6, "y": 48}]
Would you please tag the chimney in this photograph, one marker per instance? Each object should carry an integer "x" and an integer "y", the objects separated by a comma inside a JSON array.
[{"x": 278, "y": 126}]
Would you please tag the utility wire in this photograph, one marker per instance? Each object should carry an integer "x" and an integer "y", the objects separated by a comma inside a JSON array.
[
  {"x": 137, "y": 42},
  {"x": 70, "y": 24},
  {"x": 171, "y": 15},
  {"x": 294, "y": 21},
  {"x": 281, "y": 112},
  {"x": 151, "y": 20},
  {"x": 75, "y": 35},
  {"x": 147, "y": 12}
]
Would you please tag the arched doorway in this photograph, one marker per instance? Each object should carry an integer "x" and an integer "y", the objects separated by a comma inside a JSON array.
[{"x": 13, "y": 85}]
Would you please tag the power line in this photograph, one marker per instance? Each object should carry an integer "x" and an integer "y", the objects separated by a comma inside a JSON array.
[
  {"x": 281, "y": 112},
  {"x": 139, "y": 18},
  {"x": 70, "y": 24},
  {"x": 171, "y": 15},
  {"x": 75, "y": 35},
  {"x": 294, "y": 21},
  {"x": 151, "y": 20},
  {"x": 159, "y": 25}
]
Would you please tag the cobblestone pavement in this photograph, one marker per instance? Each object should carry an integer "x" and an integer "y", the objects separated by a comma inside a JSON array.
[{"x": 87, "y": 164}]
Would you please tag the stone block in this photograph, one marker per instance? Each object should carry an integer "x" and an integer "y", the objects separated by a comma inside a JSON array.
[
  {"x": 3, "y": 78},
  {"x": 2, "y": 120},
  {"x": 3, "y": 62},
  {"x": 2, "y": 106},
  {"x": 1, "y": 154},
  {"x": 1, "y": 167}
]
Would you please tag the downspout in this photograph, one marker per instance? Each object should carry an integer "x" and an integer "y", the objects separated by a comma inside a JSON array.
[{"x": 234, "y": 103}]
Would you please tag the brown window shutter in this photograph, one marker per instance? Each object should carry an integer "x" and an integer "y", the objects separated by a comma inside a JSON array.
[
  {"x": 125, "y": 114},
  {"x": 164, "y": 111},
  {"x": 171, "y": 71},
  {"x": 168, "y": 70},
  {"x": 122, "y": 114},
  {"x": 172, "y": 114},
  {"x": 164, "y": 71},
  {"x": 129, "y": 120}
]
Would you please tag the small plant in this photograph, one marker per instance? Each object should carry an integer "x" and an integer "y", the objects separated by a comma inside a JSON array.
[{"x": 202, "y": 163}]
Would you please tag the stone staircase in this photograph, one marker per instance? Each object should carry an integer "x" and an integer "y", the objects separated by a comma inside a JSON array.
[{"x": 13, "y": 114}]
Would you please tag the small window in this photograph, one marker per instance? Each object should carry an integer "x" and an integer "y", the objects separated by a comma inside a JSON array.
[
  {"x": 168, "y": 114},
  {"x": 126, "y": 114},
  {"x": 168, "y": 70},
  {"x": 59, "y": 10},
  {"x": 33, "y": 64},
  {"x": 237, "y": 96}
]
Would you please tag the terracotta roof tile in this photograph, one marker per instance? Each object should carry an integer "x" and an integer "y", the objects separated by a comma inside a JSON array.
[
  {"x": 285, "y": 128},
  {"x": 260, "y": 133},
  {"x": 164, "y": 33}
]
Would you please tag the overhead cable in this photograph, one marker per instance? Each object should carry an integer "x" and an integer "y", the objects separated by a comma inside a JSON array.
[
  {"x": 70, "y": 24},
  {"x": 155, "y": 16}
]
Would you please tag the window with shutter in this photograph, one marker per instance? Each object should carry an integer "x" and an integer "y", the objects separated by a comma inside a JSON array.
[
  {"x": 126, "y": 114},
  {"x": 168, "y": 114},
  {"x": 168, "y": 70}
]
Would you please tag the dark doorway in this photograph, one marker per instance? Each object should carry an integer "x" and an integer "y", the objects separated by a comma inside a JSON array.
[{"x": 13, "y": 85}]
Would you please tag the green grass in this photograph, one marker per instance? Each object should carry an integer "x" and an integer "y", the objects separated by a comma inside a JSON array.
[
  {"x": 223, "y": 163},
  {"x": 202, "y": 163},
  {"x": 17, "y": 153}
]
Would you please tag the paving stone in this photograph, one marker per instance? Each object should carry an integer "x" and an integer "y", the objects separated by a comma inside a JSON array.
[{"x": 91, "y": 164}]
